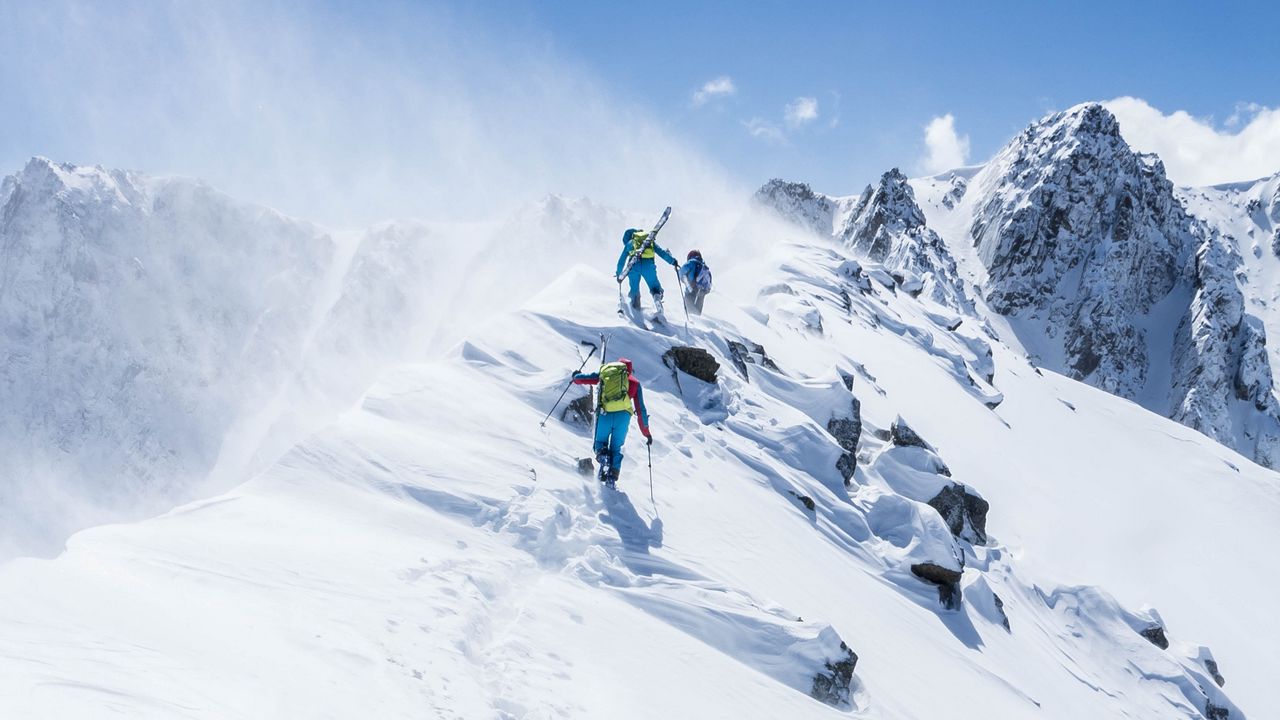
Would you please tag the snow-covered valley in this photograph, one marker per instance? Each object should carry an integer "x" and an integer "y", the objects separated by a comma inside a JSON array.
[{"x": 892, "y": 500}]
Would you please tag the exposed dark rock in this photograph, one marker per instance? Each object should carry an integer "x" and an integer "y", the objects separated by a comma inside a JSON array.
[
  {"x": 798, "y": 203},
  {"x": 1215, "y": 712},
  {"x": 832, "y": 686},
  {"x": 848, "y": 380},
  {"x": 946, "y": 580},
  {"x": 586, "y": 467},
  {"x": 804, "y": 500},
  {"x": 965, "y": 514},
  {"x": 693, "y": 361},
  {"x": 580, "y": 411},
  {"x": 1004, "y": 617},
  {"x": 1155, "y": 635},
  {"x": 904, "y": 436},
  {"x": 753, "y": 354},
  {"x": 847, "y": 431},
  {"x": 1212, "y": 666}
]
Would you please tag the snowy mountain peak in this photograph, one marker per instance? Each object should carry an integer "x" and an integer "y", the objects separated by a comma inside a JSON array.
[
  {"x": 798, "y": 203},
  {"x": 887, "y": 226}
]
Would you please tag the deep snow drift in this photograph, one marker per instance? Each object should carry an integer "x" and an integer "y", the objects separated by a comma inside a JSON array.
[{"x": 871, "y": 466}]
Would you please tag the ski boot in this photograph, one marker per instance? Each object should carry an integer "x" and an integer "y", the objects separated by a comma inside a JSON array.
[
  {"x": 604, "y": 459},
  {"x": 611, "y": 480}
]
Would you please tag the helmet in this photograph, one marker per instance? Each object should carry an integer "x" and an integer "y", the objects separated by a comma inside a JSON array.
[
  {"x": 693, "y": 254},
  {"x": 626, "y": 362}
]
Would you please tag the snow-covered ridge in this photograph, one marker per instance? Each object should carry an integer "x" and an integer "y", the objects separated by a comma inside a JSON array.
[
  {"x": 1083, "y": 250},
  {"x": 437, "y": 545}
]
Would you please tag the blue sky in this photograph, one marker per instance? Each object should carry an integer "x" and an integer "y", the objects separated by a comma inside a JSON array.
[{"x": 352, "y": 114}]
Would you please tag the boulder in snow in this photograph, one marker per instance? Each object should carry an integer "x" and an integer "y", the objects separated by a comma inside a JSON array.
[
  {"x": 946, "y": 580},
  {"x": 965, "y": 513},
  {"x": 692, "y": 361},
  {"x": 580, "y": 411},
  {"x": 832, "y": 686},
  {"x": 1155, "y": 635},
  {"x": 904, "y": 436},
  {"x": 846, "y": 431}
]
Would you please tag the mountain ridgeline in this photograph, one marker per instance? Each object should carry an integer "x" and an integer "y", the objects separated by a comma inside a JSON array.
[{"x": 1083, "y": 252}]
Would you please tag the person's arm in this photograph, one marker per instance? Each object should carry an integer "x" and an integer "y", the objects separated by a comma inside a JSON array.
[
  {"x": 642, "y": 415},
  {"x": 586, "y": 378},
  {"x": 662, "y": 253}
]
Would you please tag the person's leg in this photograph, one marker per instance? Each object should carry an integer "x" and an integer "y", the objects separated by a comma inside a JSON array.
[
  {"x": 701, "y": 298},
  {"x": 633, "y": 277},
  {"x": 603, "y": 428},
  {"x": 649, "y": 269},
  {"x": 621, "y": 422}
]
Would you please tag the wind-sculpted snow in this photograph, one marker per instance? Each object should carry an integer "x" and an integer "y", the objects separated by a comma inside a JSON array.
[
  {"x": 162, "y": 339},
  {"x": 436, "y": 552}
]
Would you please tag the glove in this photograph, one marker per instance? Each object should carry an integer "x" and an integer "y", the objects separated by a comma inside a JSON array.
[
  {"x": 648, "y": 440},
  {"x": 675, "y": 264}
]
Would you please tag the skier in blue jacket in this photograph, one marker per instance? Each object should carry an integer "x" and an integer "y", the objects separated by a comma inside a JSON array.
[{"x": 635, "y": 241}]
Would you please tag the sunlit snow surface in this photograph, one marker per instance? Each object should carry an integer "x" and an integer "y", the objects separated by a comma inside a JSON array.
[{"x": 433, "y": 552}]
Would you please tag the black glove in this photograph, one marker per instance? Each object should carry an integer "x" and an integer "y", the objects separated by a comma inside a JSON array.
[
  {"x": 675, "y": 264},
  {"x": 648, "y": 440}
]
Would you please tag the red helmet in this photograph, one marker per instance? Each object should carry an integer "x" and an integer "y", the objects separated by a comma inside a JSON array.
[
  {"x": 626, "y": 362},
  {"x": 693, "y": 254}
]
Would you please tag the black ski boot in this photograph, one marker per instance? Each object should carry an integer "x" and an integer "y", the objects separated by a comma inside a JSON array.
[{"x": 604, "y": 459}]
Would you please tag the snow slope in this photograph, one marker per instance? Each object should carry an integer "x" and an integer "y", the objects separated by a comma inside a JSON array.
[
  {"x": 162, "y": 340},
  {"x": 435, "y": 552}
]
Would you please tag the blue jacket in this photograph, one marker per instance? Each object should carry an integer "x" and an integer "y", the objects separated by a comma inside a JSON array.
[{"x": 626, "y": 251}]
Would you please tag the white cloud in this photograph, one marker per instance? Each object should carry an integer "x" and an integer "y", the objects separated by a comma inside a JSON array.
[
  {"x": 801, "y": 110},
  {"x": 945, "y": 148},
  {"x": 1194, "y": 151},
  {"x": 763, "y": 129},
  {"x": 719, "y": 87}
]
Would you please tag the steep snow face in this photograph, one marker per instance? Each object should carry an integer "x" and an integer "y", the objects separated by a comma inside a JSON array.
[
  {"x": 435, "y": 550},
  {"x": 1081, "y": 238}
]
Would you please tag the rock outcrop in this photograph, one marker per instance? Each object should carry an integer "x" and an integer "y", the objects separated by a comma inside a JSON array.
[
  {"x": 964, "y": 512},
  {"x": 832, "y": 686},
  {"x": 694, "y": 362},
  {"x": 945, "y": 579}
]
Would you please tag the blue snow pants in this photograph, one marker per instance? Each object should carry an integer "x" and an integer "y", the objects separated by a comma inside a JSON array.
[
  {"x": 648, "y": 269},
  {"x": 611, "y": 432}
]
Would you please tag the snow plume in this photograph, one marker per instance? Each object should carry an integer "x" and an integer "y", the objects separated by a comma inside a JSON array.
[
  {"x": 945, "y": 148},
  {"x": 405, "y": 111},
  {"x": 1194, "y": 151},
  {"x": 719, "y": 87},
  {"x": 801, "y": 111}
]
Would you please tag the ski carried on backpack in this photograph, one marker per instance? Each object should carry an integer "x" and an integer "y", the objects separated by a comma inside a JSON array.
[{"x": 648, "y": 242}]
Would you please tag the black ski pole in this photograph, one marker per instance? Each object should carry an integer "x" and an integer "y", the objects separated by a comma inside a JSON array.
[
  {"x": 684, "y": 301},
  {"x": 566, "y": 387},
  {"x": 649, "y": 447}
]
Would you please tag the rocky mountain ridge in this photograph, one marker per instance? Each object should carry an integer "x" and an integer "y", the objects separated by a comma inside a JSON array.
[{"x": 1096, "y": 265}]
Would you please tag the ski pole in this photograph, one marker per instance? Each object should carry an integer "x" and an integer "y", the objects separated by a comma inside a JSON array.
[
  {"x": 684, "y": 302},
  {"x": 649, "y": 447},
  {"x": 566, "y": 387}
]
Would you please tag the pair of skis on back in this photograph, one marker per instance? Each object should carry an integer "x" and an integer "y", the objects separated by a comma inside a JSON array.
[{"x": 631, "y": 262}]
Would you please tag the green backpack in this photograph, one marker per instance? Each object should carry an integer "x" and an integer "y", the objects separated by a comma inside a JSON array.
[{"x": 614, "y": 384}]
